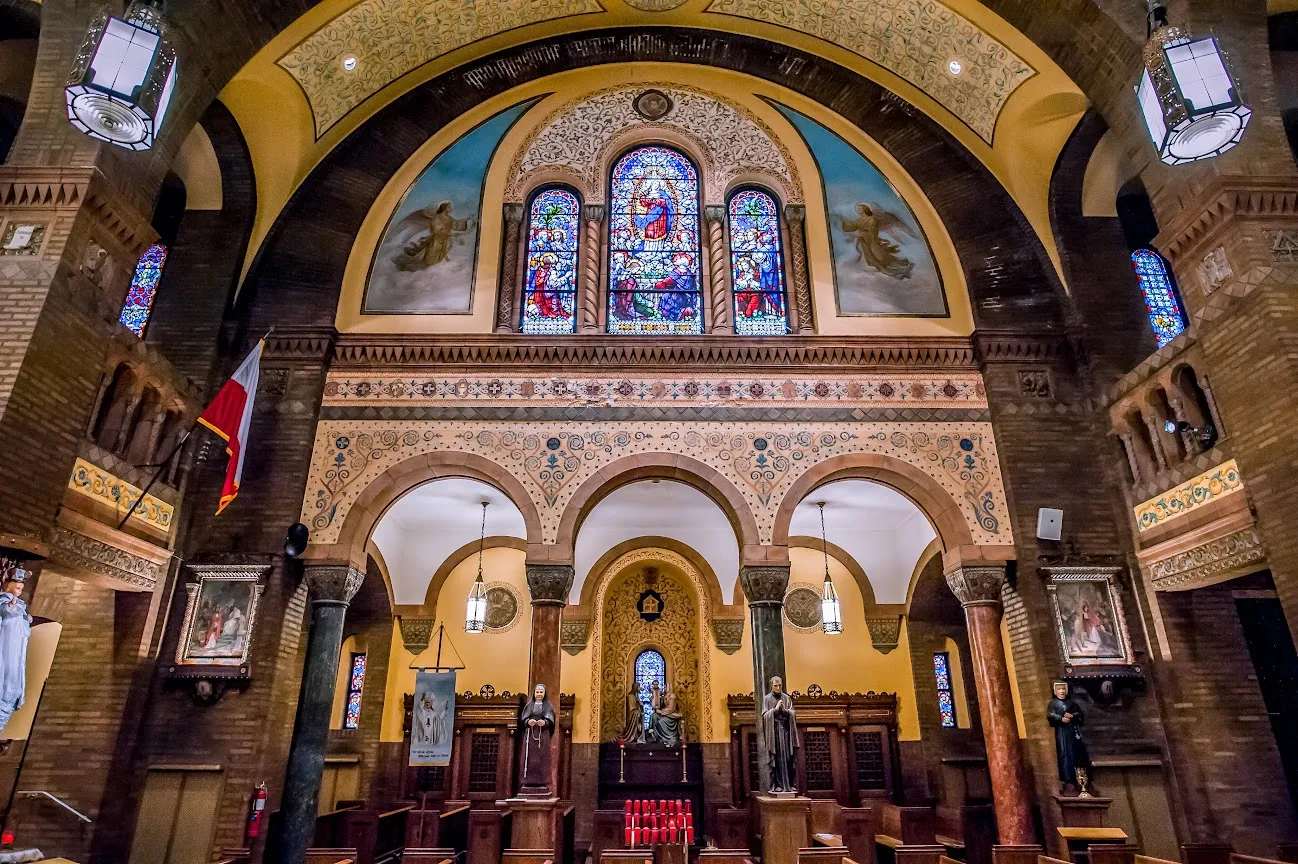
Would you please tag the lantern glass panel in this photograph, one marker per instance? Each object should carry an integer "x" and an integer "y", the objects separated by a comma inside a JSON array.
[
  {"x": 123, "y": 57},
  {"x": 1201, "y": 75},
  {"x": 1152, "y": 109}
]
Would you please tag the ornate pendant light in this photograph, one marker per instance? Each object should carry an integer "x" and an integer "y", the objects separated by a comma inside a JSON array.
[
  {"x": 831, "y": 615},
  {"x": 123, "y": 77},
  {"x": 1188, "y": 96},
  {"x": 475, "y": 615}
]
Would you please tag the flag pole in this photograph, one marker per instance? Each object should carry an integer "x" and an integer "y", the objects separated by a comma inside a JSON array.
[{"x": 156, "y": 474}]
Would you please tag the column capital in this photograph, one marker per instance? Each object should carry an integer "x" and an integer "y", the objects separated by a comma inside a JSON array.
[
  {"x": 416, "y": 633},
  {"x": 715, "y": 213},
  {"x": 977, "y": 584},
  {"x": 550, "y": 584},
  {"x": 593, "y": 212},
  {"x": 514, "y": 212},
  {"x": 334, "y": 583},
  {"x": 764, "y": 584},
  {"x": 795, "y": 213}
]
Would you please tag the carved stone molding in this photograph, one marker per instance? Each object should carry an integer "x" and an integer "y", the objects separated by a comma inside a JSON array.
[
  {"x": 80, "y": 552},
  {"x": 728, "y": 634},
  {"x": 885, "y": 633},
  {"x": 304, "y": 343},
  {"x": 550, "y": 584},
  {"x": 765, "y": 584},
  {"x": 1015, "y": 347},
  {"x": 977, "y": 584},
  {"x": 1210, "y": 563},
  {"x": 1227, "y": 198},
  {"x": 416, "y": 633},
  {"x": 334, "y": 583},
  {"x": 573, "y": 635}
]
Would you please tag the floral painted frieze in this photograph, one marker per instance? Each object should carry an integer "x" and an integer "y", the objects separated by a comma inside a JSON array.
[
  {"x": 94, "y": 482},
  {"x": 1211, "y": 485},
  {"x": 553, "y": 460}
]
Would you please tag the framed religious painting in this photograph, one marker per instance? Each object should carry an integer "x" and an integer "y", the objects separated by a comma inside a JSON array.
[
  {"x": 220, "y": 620},
  {"x": 1089, "y": 620}
]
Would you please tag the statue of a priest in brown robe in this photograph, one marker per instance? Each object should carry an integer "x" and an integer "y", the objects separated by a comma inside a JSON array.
[
  {"x": 537, "y": 722},
  {"x": 780, "y": 729}
]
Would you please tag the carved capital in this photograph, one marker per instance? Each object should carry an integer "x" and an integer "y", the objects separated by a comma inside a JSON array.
[
  {"x": 715, "y": 213},
  {"x": 795, "y": 214},
  {"x": 549, "y": 584},
  {"x": 334, "y": 583},
  {"x": 765, "y": 584},
  {"x": 416, "y": 633},
  {"x": 573, "y": 635},
  {"x": 977, "y": 584},
  {"x": 514, "y": 214},
  {"x": 728, "y": 633},
  {"x": 593, "y": 212},
  {"x": 885, "y": 633}
]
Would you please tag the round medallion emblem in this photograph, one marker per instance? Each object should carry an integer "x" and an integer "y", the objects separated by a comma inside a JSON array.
[{"x": 802, "y": 607}]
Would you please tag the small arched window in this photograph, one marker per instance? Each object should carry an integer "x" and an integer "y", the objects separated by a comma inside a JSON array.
[
  {"x": 650, "y": 666},
  {"x": 654, "y": 270},
  {"x": 757, "y": 264},
  {"x": 144, "y": 288},
  {"x": 1161, "y": 303},
  {"x": 550, "y": 289},
  {"x": 355, "y": 686}
]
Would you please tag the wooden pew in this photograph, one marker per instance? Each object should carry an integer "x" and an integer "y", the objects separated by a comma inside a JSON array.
[
  {"x": 627, "y": 856},
  {"x": 427, "y": 856},
  {"x": 1236, "y": 858},
  {"x": 1005, "y": 853},
  {"x": 858, "y": 829},
  {"x": 730, "y": 828},
  {"x": 822, "y": 855},
  {"x": 527, "y": 856},
  {"x": 1113, "y": 853},
  {"x": 1205, "y": 853},
  {"x": 330, "y": 856},
  {"x": 710, "y": 855},
  {"x": 488, "y": 830},
  {"x": 968, "y": 832},
  {"x": 907, "y": 835}
]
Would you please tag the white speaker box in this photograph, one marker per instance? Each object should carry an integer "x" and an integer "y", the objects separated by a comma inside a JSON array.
[{"x": 1050, "y": 523}]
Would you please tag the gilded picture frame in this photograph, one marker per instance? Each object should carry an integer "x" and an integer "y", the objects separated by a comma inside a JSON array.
[
  {"x": 220, "y": 618},
  {"x": 1089, "y": 620}
]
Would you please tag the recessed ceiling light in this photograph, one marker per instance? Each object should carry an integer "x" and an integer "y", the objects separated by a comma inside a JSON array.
[
  {"x": 349, "y": 62},
  {"x": 955, "y": 67}
]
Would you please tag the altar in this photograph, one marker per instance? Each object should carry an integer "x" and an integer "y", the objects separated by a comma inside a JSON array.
[{"x": 642, "y": 772}]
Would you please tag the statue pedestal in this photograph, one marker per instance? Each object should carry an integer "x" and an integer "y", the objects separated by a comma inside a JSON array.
[
  {"x": 784, "y": 827},
  {"x": 1077, "y": 812},
  {"x": 533, "y": 822}
]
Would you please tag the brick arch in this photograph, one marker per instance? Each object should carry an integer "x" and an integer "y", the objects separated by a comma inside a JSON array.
[
  {"x": 658, "y": 466},
  {"x": 934, "y": 502},
  {"x": 386, "y": 489}
]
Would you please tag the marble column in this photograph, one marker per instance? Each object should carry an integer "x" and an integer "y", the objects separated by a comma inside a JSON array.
[
  {"x": 507, "y": 313},
  {"x": 549, "y": 586},
  {"x": 719, "y": 308},
  {"x": 795, "y": 218},
  {"x": 764, "y": 587},
  {"x": 332, "y": 588},
  {"x": 978, "y": 587},
  {"x": 588, "y": 292}
]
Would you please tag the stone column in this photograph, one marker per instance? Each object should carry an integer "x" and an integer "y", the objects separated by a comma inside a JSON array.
[
  {"x": 718, "y": 301},
  {"x": 549, "y": 586},
  {"x": 332, "y": 588},
  {"x": 978, "y": 587},
  {"x": 795, "y": 218},
  {"x": 588, "y": 292},
  {"x": 507, "y": 313},
  {"x": 764, "y": 587}
]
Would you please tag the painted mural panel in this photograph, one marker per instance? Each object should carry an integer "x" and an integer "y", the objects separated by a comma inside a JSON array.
[
  {"x": 882, "y": 262},
  {"x": 427, "y": 257}
]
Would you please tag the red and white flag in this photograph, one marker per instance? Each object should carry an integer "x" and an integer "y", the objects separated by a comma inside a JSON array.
[{"x": 230, "y": 415}]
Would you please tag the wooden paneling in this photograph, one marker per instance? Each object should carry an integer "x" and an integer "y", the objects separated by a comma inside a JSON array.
[{"x": 177, "y": 819}]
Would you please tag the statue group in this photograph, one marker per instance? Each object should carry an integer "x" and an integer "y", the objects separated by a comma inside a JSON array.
[{"x": 665, "y": 727}]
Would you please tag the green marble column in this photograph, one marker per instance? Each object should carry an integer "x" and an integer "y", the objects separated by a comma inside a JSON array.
[{"x": 764, "y": 586}]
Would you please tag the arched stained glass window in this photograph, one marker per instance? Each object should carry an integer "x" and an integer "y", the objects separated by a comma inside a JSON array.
[
  {"x": 1161, "y": 304},
  {"x": 757, "y": 265},
  {"x": 355, "y": 684},
  {"x": 649, "y": 667},
  {"x": 654, "y": 270},
  {"x": 144, "y": 287},
  {"x": 550, "y": 292}
]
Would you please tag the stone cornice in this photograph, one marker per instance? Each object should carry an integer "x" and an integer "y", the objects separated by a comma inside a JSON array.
[
  {"x": 1223, "y": 200},
  {"x": 37, "y": 188},
  {"x": 300, "y": 343},
  {"x": 1006, "y": 346}
]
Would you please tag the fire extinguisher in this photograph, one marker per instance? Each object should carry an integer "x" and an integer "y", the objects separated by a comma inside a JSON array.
[{"x": 257, "y": 810}]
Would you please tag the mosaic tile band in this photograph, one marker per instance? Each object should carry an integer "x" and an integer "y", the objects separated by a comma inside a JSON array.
[
  {"x": 1211, "y": 485},
  {"x": 91, "y": 480}
]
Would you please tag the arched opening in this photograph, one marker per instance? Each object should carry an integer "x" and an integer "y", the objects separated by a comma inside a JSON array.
[{"x": 1173, "y": 442}]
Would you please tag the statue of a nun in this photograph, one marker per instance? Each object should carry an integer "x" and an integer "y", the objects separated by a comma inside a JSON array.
[
  {"x": 780, "y": 729},
  {"x": 15, "y": 630},
  {"x": 537, "y": 721}
]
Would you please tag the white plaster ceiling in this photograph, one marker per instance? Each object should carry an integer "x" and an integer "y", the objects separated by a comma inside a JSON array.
[
  {"x": 659, "y": 509},
  {"x": 879, "y": 527},
  {"x": 419, "y": 532}
]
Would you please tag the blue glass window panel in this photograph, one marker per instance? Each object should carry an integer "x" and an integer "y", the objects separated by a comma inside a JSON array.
[
  {"x": 655, "y": 271},
  {"x": 550, "y": 289},
  {"x": 649, "y": 667},
  {"x": 355, "y": 684},
  {"x": 1161, "y": 304},
  {"x": 144, "y": 288},
  {"x": 945, "y": 701},
  {"x": 757, "y": 265},
  {"x": 941, "y": 672},
  {"x": 946, "y": 707}
]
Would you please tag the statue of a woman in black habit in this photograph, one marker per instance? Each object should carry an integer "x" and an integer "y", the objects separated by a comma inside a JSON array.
[
  {"x": 1066, "y": 716},
  {"x": 537, "y": 722}
]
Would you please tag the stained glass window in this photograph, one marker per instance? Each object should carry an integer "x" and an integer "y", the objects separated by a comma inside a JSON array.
[
  {"x": 757, "y": 265},
  {"x": 144, "y": 286},
  {"x": 1161, "y": 304},
  {"x": 945, "y": 701},
  {"x": 654, "y": 272},
  {"x": 649, "y": 667},
  {"x": 550, "y": 292},
  {"x": 355, "y": 683}
]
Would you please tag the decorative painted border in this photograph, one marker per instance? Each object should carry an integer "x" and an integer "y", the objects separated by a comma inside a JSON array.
[
  {"x": 94, "y": 482},
  {"x": 1209, "y": 563},
  {"x": 960, "y": 390},
  {"x": 1213, "y": 484}
]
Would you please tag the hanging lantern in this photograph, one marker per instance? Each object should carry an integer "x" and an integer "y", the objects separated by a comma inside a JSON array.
[
  {"x": 123, "y": 77},
  {"x": 831, "y": 615},
  {"x": 475, "y": 614},
  {"x": 1190, "y": 101}
]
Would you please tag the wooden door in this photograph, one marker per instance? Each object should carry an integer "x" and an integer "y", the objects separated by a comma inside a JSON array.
[{"x": 177, "y": 819}]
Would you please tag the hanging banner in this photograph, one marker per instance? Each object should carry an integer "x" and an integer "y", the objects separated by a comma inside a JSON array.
[{"x": 432, "y": 723}]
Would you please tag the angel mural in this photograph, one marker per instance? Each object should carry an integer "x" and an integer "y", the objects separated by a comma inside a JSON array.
[
  {"x": 432, "y": 231},
  {"x": 870, "y": 229}
]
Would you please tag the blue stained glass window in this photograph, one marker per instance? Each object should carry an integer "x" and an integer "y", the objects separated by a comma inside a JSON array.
[
  {"x": 550, "y": 292},
  {"x": 945, "y": 701},
  {"x": 1161, "y": 304},
  {"x": 654, "y": 272},
  {"x": 649, "y": 667},
  {"x": 757, "y": 265},
  {"x": 144, "y": 287},
  {"x": 355, "y": 683}
]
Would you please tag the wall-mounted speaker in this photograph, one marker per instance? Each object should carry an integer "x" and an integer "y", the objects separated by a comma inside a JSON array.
[{"x": 1050, "y": 524}]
